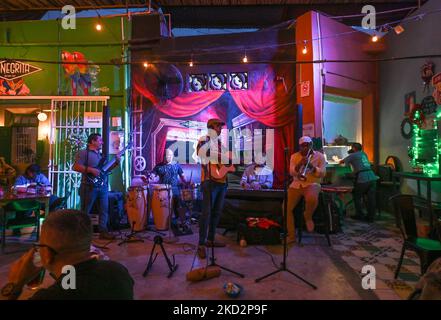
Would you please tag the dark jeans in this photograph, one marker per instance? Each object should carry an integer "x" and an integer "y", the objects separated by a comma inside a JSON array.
[
  {"x": 89, "y": 195},
  {"x": 212, "y": 205},
  {"x": 368, "y": 189}
]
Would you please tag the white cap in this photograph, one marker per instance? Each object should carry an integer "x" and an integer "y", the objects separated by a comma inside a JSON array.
[{"x": 305, "y": 139}]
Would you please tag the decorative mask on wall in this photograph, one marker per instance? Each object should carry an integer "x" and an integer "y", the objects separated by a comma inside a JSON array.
[{"x": 427, "y": 73}]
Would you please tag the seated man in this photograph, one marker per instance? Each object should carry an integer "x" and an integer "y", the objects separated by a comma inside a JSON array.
[
  {"x": 66, "y": 237},
  {"x": 170, "y": 172},
  {"x": 365, "y": 182},
  {"x": 32, "y": 174},
  {"x": 307, "y": 167},
  {"x": 257, "y": 175}
]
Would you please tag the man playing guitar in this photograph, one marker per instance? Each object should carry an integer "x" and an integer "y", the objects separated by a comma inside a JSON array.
[
  {"x": 213, "y": 184},
  {"x": 87, "y": 162}
]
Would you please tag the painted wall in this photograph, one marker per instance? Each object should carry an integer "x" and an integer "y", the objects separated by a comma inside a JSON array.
[
  {"x": 356, "y": 80},
  {"x": 45, "y": 40},
  {"x": 400, "y": 77}
]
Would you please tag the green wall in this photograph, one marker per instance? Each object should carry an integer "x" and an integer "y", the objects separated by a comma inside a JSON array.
[{"x": 45, "y": 40}]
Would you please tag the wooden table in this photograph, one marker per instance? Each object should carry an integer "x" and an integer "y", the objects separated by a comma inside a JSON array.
[{"x": 421, "y": 177}]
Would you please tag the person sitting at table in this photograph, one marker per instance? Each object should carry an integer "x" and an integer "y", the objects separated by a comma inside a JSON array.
[
  {"x": 257, "y": 175},
  {"x": 32, "y": 174},
  {"x": 365, "y": 183}
]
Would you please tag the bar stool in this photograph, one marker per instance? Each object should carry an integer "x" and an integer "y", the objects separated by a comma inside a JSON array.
[{"x": 321, "y": 222}]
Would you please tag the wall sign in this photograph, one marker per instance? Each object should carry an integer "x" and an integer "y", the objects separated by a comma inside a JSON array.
[
  {"x": 409, "y": 101},
  {"x": 11, "y": 77},
  {"x": 304, "y": 89},
  {"x": 436, "y": 83},
  {"x": 93, "y": 120},
  {"x": 12, "y": 69}
]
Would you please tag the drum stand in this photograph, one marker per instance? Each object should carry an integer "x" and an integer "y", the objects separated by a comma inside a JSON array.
[
  {"x": 171, "y": 265},
  {"x": 131, "y": 237},
  {"x": 169, "y": 238}
]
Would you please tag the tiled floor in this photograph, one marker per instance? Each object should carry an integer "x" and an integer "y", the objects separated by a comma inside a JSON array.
[
  {"x": 379, "y": 245},
  {"x": 336, "y": 271}
]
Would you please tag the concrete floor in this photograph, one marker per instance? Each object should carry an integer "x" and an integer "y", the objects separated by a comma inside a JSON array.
[{"x": 314, "y": 261}]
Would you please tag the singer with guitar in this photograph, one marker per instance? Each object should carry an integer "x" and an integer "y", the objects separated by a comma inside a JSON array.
[
  {"x": 94, "y": 187},
  {"x": 307, "y": 167},
  {"x": 213, "y": 184}
]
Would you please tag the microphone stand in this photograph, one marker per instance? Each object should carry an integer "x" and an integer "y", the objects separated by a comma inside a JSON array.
[
  {"x": 212, "y": 258},
  {"x": 283, "y": 266}
]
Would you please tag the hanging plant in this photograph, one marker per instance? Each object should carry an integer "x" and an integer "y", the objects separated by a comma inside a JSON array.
[
  {"x": 75, "y": 142},
  {"x": 427, "y": 73}
]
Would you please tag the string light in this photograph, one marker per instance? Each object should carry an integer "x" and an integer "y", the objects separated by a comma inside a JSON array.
[
  {"x": 245, "y": 59},
  {"x": 98, "y": 27},
  {"x": 145, "y": 64},
  {"x": 375, "y": 38},
  {"x": 191, "y": 64},
  {"x": 305, "y": 49}
]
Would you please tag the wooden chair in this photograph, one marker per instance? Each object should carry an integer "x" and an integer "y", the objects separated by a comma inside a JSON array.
[{"x": 428, "y": 250}]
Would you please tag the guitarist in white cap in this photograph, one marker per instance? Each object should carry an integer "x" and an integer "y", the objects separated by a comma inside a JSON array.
[
  {"x": 213, "y": 184},
  {"x": 307, "y": 167}
]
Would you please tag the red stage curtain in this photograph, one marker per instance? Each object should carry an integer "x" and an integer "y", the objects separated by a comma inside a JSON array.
[
  {"x": 185, "y": 105},
  {"x": 270, "y": 100}
]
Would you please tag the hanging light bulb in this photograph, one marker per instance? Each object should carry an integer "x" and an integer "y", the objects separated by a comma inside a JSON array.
[
  {"x": 399, "y": 29},
  {"x": 305, "y": 50},
  {"x": 191, "y": 64},
  {"x": 145, "y": 64},
  {"x": 245, "y": 59},
  {"x": 98, "y": 27},
  {"x": 42, "y": 116},
  {"x": 375, "y": 38}
]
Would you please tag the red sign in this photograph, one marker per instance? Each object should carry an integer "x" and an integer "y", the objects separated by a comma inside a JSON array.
[
  {"x": 304, "y": 89},
  {"x": 436, "y": 83}
]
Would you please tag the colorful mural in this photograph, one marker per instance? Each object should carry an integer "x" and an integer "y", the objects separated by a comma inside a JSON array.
[{"x": 81, "y": 74}]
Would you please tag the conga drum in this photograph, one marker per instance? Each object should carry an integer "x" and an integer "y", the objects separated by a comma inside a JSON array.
[
  {"x": 136, "y": 206},
  {"x": 161, "y": 205}
]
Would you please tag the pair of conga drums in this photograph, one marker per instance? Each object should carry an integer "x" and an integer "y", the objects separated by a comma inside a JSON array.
[{"x": 143, "y": 199}]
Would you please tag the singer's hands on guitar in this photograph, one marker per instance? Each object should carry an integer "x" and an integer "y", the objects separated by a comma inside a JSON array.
[{"x": 95, "y": 172}]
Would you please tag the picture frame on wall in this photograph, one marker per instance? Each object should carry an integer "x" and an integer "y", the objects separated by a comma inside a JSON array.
[{"x": 409, "y": 101}]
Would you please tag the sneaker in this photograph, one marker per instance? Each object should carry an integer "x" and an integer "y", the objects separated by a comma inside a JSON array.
[
  {"x": 215, "y": 244},
  {"x": 202, "y": 253},
  {"x": 106, "y": 236}
]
